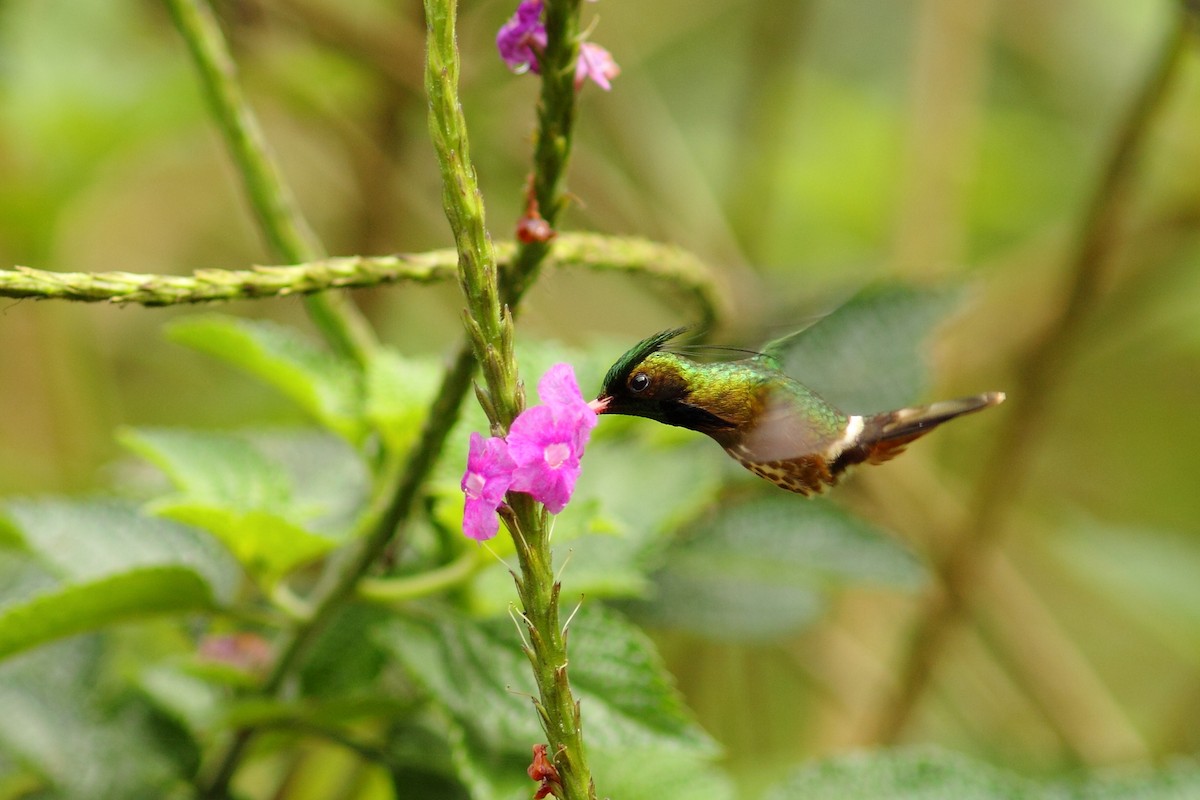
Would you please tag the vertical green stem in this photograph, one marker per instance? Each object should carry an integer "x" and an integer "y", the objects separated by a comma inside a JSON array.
[
  {"x": 556, "y": 120},
  {"x": 490, "y": 328},
  {"x": 280, "y": 221},
  {"x": 1004, "y": 471}
]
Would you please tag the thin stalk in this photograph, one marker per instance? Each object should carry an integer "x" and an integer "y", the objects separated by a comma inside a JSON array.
[
  {"x": 1036, "y": 379},
  {"x": 552, "y": 150},
  {"x": 490, "y": 329},
  {"x": 434, "y": 581},
  {"x": 279, "y": 218}
]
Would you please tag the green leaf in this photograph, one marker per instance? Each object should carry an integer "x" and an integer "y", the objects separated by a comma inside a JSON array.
[
  {"x": 399, "y": 391},
  {"x": 229, "y": 488},
  {"x": 53, "y": 719},
  {"x": 762, "y": 568},
  {"x": 326, "y": 387},
  {"x": 329, "y": 482},
  {"x": 655, "y": 773},
  {"x": 868, "y": 355},
  {"x": 103, "y": 563},
  {"x": 85, "y": 540},
  {"x": 902, "y": 775},
  {"x": 265, "y": 544},
  {"x": 932, "y": 774},
  {"x": 214, "y": 468},
  {"x": 477, "y": 671}
]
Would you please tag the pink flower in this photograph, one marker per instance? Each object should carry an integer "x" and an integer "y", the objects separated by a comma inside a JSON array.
[
  {"x": 596, "y": 63},
  {"x": 539, "y": 458},
  {"x": 547, "y": 441},
  {"x": 489, "y": 473},
  {"x": 559, "y": 390},
  {"x": 523, "y": 37}
]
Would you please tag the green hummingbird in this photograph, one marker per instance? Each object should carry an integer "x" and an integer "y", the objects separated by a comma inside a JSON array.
[{"x": 773, "y": 425}]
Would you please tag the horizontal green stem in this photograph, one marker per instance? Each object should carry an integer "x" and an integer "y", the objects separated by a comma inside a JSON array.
[
  {"x": 671, "y": 266},
  {"x": 398, "y": 590}
]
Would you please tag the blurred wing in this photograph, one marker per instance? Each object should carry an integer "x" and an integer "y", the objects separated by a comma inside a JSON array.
[
  {"x": 868, "y": 354},
  {"x": 788, "y": 430}
]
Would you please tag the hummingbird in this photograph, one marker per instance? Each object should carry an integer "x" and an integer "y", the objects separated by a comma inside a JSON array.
[{"x": 773, "y": 425}]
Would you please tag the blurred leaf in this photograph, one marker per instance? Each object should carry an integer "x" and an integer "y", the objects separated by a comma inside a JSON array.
[
  {"x": 868, "y": 355},
  {"x": 230, "y": 489},
  {"x": 1151, "y": 575},
  {"x": 53, "y": 719},
  {"x": 329, "y": 482},
  {"x": 761, "y": 568},
  {"x": 399, "y": 391},
  {"x": 189, "y": 700},
  {"x": 931, "y": 774},
  {"x": 902, "y": 775},
  {"x": 477, "y": 670},
  {"x": 105, "y": 563},
  {"x": 1174, "y": 781},
  {"x": 658, "y": 773},
  {"x": 211, "y": 467},
  {"x": 320, "y": 383},
  {"x": 347, "y": 656}
]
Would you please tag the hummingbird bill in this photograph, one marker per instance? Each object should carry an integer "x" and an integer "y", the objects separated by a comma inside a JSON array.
[{"x": 770, "y": 423}]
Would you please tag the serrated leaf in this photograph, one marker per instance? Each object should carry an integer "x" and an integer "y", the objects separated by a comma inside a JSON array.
[
  {"x": 868, "y": 354},
  {"x": 477, "y": 671},
  {"x": 104, "y": 563},
  {"x": 326, "y": 387},
  {"x": 229, "y": 488},
  {"x": 762, "y": 568}
]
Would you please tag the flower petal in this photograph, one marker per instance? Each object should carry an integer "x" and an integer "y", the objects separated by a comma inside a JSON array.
[
  {"x": 488, "y": 476},
  {"x": 521, "y": 38},
  {"x": 480, "y": 521},
  {"x": 596, "y": 63}
]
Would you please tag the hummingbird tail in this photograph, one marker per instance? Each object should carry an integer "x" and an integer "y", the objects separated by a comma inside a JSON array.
[{"x": 885, "y": 435}]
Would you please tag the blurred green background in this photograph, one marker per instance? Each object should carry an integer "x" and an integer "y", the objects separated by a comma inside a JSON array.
[{"x": 803, "y": 149}]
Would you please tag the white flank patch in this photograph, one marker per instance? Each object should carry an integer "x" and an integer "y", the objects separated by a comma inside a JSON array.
[{"x": 853, "y": 428}]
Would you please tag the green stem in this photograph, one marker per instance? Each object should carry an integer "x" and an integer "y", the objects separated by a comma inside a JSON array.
[
  {"x": 400, "y": 590},
  {"x": 552, "y": 151},
  {"x": 490, "y": 330},
  {"x": 1042, "y": 366},
  {"x": 674, "y": 269},
  {"x": 285, "y": 229}
]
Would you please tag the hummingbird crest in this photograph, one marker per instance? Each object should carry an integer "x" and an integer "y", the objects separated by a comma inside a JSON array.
[{"x": 773, "y": 425}]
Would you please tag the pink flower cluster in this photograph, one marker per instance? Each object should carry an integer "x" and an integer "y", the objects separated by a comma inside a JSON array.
[
  {"x": 540, "y": 456},
  {"x": 523, "y": 38}
]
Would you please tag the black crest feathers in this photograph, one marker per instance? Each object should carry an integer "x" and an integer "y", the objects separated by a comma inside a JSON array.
[{"x": 620, "y": 370}]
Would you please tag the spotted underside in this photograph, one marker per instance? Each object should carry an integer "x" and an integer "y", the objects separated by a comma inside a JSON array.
[{"x": 804, "y": 475}]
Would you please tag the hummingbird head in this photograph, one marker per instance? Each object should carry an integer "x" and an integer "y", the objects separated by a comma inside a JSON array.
[{"x": 648, "y": 382}]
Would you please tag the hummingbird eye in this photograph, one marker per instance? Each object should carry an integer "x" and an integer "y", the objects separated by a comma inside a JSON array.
[{"x": 639, "y": 382}]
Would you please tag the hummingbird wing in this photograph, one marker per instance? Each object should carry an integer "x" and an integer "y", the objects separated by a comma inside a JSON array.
[
  {"x": 868, "y": 353},
  {"x": 794, "y": 440}
]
